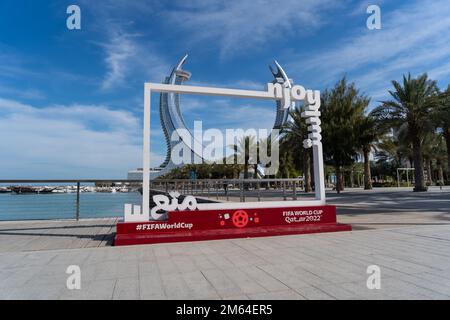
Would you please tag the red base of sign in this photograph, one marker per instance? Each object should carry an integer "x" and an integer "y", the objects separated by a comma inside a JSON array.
[{"x": 227, "y": 224}]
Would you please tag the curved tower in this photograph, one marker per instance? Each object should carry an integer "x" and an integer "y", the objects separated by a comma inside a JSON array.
[
  {"x": 280, "y": 77},
  {"x": 169, "y": 107},
  {"x": 172, "y": 119}
]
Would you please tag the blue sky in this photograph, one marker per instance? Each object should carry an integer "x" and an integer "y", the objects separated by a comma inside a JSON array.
[{"x": 71, "y": 100}]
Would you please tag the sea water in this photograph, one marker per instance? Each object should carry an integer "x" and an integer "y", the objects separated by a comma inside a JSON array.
[{"x": 63, "y": 205}]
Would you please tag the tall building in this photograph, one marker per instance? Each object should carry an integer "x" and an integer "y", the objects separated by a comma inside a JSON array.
[{"x": 172, "y": 119}]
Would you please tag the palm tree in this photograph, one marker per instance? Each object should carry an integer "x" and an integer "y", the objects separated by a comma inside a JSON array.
[
  {"x": 293, "y": 134},
  {"x": 342, "y": 110},
  {"x": 270, "y": 162},
  {"x": 369, "y": 134},
  {"x": 394, "y": 148},
  {"x": 412, "y": 104},
  {"x": 286, "y": 164},
  {"x": 440, "y": 154},
  {"x": 442, "y": 119},
  {"x": 243, "y": 150},
  {"x": 431, "y": 144}
]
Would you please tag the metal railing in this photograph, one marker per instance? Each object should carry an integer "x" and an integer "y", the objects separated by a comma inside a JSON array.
[
  {"x": 93, "y": 198},
  {"x": 66, "y": 199},
  {"x": 234, "y": 189}
]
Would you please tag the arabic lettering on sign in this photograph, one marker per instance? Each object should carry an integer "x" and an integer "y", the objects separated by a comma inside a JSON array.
[{"x": 164, "y": 203}]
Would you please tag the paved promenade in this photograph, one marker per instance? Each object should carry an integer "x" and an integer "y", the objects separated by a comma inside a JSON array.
[
  {"x": 406, "y": 234},
  {"x": 414, "y": 262},
  {"x": 21, "y": 236}
]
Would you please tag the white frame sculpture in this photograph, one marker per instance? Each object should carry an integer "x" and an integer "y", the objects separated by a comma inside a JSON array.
[{"x": 280, "y": 94}]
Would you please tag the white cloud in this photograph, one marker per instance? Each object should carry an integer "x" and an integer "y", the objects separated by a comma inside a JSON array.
[
  {"x": 361, "y": 8},
  {"x": 19, "y": 67},
  {"x": 24, "y": 93},
  {"x": 119, "y": 50},
  {"x": 413, "y": 38},
  {"x": 129, "y": 57},
  {"x": 238, "y": 84},
  {"x": 440, "y": 72},
  {"x": 238, "y": 26},
  {"x": 404, "y": 29},
  {"x": 223, "y": 113},
  {"x": 60, "y": 142},
  {"x": 250, "y": 85},
  {"x": 13, "y": 64},
  {"x": 128, "y": 60}
]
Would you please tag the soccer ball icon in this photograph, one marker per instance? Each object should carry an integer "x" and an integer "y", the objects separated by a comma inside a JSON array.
[{"x": 240, "y": 219}]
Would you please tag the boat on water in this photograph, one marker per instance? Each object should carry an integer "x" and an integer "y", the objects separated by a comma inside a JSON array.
[
  {"x": 31, "y": 189},
  {"x": 45, "y": 190},
  {"x": 22, "y": 189},
  {"x": 61, "y": 189},
  {"x": 5, "y": 190}
]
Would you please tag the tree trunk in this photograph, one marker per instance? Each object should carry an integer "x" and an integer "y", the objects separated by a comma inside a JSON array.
[
  {"x": 440, "y": 173},
  {"x": 307, "y": 170},
  {"x": 419, "y": 183},
  {"x": 367, "y": 173},
  {"x": 429, "y": 171},
  {"x": 246, "y": 170},
  {"x": 339, "y": 180},
  {"x": 447, "y": 142},
  {"x": 352, "y": 178},
  {"x": 256, "y": 171}
]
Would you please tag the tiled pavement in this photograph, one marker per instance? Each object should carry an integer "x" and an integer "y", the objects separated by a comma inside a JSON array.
[
  {"x": 414, "y": 262},
  {"x": 406, "y": 234},
  {"x": 17, "y": 236}
]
